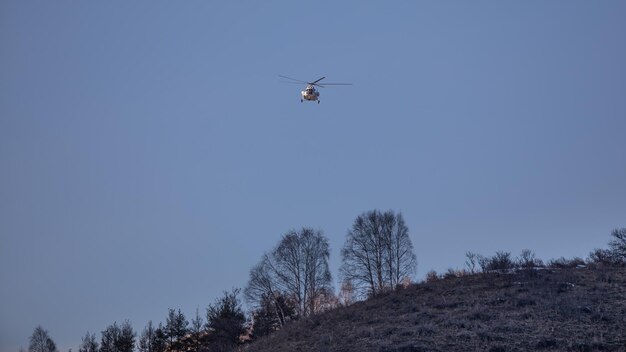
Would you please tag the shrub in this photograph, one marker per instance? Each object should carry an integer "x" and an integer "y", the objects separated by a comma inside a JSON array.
[
  {"x": 451, "y": 273},
  {"x": 618, "y": 244},
  {"x": 604, "y": 257},
  {"x": 472, "y": 261},
  {"x": 564, "y": 263},
  {"x": 432, "y": 276},
  {"x": 527, "y": 260},
  {"x": 501, "y": 261}
]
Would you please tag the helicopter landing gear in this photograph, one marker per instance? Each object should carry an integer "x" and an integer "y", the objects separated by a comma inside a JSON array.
[
  {"x": 318, "y": 101},
  {"x": 301, "y": 100}
]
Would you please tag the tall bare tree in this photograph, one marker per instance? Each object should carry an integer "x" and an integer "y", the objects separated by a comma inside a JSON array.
[
  {"x": 267, "y": 299},
  {"x": 378, "y": 253},
  {"x": 296, "y": 269}
]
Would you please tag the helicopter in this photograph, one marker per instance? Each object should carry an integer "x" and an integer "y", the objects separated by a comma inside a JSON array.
[{"x": 310, "y": 93}]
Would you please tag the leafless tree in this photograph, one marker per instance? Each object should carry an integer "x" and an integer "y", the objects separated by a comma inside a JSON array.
[
  {"x": 262, "y": 287},
  {"x": 528, "y": 260},
  {"x": 471, "y": 262},
  {"x": 346, "y": 293},
  {"x": 378, "y": 253},
  {"x": 40, "y": 341},
  {"x": 297, "y": 268}
]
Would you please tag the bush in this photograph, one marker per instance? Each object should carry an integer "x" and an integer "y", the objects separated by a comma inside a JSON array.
[
  {"x": 563, "y": 263},
  {"x": 450, "y": 274},
  {"x": 501, "y": 261},
  {"x": 472, "y": 259},
  {"x": 432, "y": 276},
  {"x": 527, "y": 260},
  {"x": 618, "y": 244},
  {"x": 605, "y": 257}
]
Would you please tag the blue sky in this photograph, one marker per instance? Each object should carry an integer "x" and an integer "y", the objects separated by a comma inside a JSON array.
[{"x": 149, "y": 154}]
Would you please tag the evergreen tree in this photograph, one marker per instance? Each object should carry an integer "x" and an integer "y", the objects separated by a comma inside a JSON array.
[
  {"x": 89, "y": 343},
  {"x": 126, "y": 341},
  {"x": 226, "y": 321},
  {"x": 147, "y": 339},
  {"x": 118, "y": 338},
  {"x": 176, "y": 328},
  {"x": 197, "y": 332},
  {"x": 160, "y": 339}
]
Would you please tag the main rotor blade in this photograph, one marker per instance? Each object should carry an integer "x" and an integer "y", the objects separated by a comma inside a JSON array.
[
  {"x": 337, "y": 84},
  {"x": 318, "y": 80},
  {"x": 293, "y": 79}
]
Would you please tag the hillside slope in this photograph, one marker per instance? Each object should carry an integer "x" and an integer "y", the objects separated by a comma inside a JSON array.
[{"x": 565, "y": 309}]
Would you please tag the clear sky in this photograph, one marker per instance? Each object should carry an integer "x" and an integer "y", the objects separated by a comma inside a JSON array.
[{"x": 149, "y": 154}]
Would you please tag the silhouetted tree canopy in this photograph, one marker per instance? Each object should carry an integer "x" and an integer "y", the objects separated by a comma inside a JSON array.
[
  {"x": 226, "y": 322},
  {"x": 175, "y": 328},
  {"x": 378, "y": 253},
  {"x": 89, "y": 343},
  {"x": 297, "y": 270},
  {"x": 148, "y": 339},
  {"x": 272, "y": 313},
  {"x": 40, "y": 341},
  {"x": 118, "y": 338}
]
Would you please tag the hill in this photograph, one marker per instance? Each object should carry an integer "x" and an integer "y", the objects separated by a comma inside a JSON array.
[{"x": 552, "y": 309}]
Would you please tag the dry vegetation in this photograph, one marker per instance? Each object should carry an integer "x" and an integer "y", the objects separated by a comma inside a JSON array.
[{"x": 552, "y": 309}]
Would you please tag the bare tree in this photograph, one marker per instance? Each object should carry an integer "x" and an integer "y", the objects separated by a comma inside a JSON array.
[
  {"x": 346, "y": 293},
  {"x": 262, "y": 287},
  {"x": 40, "y": 341},
  {"x": 298, "y": 269},
  {"x": 527, "y": 260},
  {"x": 378, "y": 253},
  {"x": 402, "y": 260}
]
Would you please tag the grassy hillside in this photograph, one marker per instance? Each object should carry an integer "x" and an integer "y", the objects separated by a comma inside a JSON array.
[{"x": 567, "y": 309}]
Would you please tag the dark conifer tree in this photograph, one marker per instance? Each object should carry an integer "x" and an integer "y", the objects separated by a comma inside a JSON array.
[
  {"x": 226, "y": 321},
  {"x": 176, "y": 328},
  {"x": 89, "y": 343}
]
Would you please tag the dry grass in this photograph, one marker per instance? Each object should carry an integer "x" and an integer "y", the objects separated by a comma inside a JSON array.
[{"x": 565, "y": 309}]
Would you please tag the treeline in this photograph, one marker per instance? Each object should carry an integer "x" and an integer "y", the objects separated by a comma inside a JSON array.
[
  {"x": 290, "y": 282},
  {"x": 293, "y": 281}
]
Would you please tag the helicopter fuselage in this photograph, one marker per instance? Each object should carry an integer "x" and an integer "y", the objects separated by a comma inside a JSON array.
[{"x": 310, "y": 94}]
